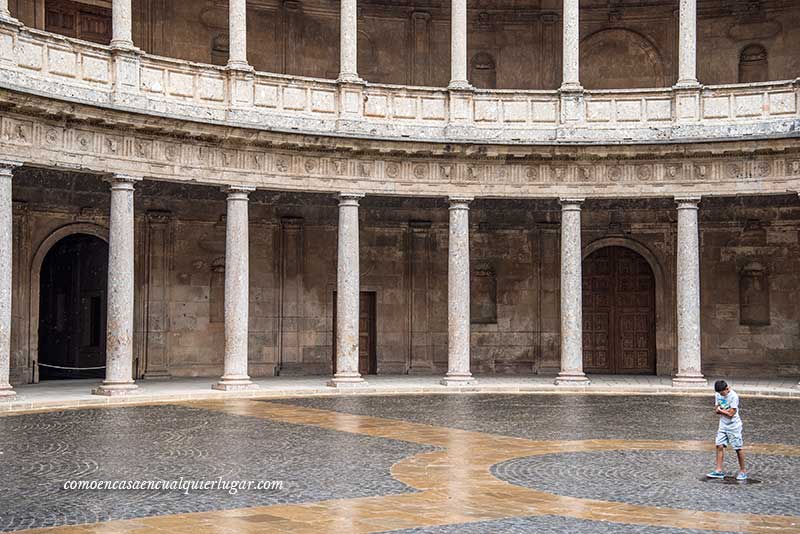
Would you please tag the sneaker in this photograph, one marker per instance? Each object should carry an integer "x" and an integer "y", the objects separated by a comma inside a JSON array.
[
  {"x": 741, "y": 476},
  {"x": 716, "y": 474}
]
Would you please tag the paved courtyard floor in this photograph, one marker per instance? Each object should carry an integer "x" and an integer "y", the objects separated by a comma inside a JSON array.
[{"x": 421, "y": 464}]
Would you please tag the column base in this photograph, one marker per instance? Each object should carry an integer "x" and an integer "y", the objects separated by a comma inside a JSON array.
[
  {"x": 452, "y": 379},
  {"x": 687, "y": 84},
  {"x": 689, "y": 381},
  {"x": 350, "y": 78},
  {"x": 7, "y": 393},
  {"x": 571, "y": 88},
  {"x": 115, "y": 389},
  {"x": 572, "y": 379},
  {"x": 234, "y": 383},
  {"x": 460, "y": 85},
  {"x": 346, "y": 381},
  {"x": 241, "y": 66}
]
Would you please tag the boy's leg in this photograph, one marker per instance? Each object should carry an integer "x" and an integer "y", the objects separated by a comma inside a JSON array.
[
  {"x": 720, "y": 457},
  {"x": 740, "y": 456}
]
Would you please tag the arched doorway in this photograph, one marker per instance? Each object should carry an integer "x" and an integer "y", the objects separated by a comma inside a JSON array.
[
  {"x": 72, "y": 308},
  {"x": 619, "y": 331}
]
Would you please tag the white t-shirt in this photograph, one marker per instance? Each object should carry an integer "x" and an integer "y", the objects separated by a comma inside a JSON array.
[{"x": 731, "y": 400}]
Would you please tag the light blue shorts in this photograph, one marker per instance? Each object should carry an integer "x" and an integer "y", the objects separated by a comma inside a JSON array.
[{"x": 730, "y": 437}]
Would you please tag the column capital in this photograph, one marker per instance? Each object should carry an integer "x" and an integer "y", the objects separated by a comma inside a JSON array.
[
  {"x": 238, "y": 192},
  {"x": 350, "y": 199},
  {"x": 688, "y": 201},
  {"x": 571, "y": 203},
  {"x": 122, "y": 181},
  {"x": 460, "y": 202},
  {"x": 7, "y": 167}
]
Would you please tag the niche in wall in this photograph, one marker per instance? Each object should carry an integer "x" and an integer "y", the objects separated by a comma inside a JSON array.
[
  {"x": 754, "y": 295},
  {"x": 483, "y": 294}
]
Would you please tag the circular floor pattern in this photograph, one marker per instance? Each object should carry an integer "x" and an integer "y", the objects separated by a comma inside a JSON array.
[{"x": 663, "y": 478}]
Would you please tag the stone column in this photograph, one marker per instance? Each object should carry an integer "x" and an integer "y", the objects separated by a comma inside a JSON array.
[
  {"x": 121, "y": 24},
  {"x": 458, "y": 372},
  {"x": 237, "y": 292},
  {"x": 688, "y": 289},
  {"x": 687, "y": 44},
  {"x": 458, "y": 45},
  {"x": 119, "y": 322},
  {"x": 6, "y": 250},
  {"x": 348, "y": 42},
  {"x": 347, "y": 294},
  {"x": 570, "y": 79},
  {"x": 571, "y": 297},
  {"x": 5, "y": 14},
  {"x": 237, "y": 38}
]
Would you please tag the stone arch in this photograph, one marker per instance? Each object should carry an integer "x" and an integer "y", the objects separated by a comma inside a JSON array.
[
  {"x": 44, "y": 247},
  {"x": 753, "y": 64},
  {"x": 665, "y": 346},
  {"x": 637, "y": 62}
]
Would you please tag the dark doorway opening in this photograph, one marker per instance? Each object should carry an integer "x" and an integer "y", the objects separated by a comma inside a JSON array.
[
  {"x": 367, "y": 355},
  {"x": 72, "y": 308},
  {"x": 619, "y": 327}
]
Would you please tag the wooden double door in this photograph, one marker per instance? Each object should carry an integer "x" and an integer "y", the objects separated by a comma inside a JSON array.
[
  {"x": 367, "y": 356},
  {"x": 618, "y": 313}
]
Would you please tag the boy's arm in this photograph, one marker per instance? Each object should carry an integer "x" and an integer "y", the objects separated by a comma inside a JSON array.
[{"x": 730, "y": 412}]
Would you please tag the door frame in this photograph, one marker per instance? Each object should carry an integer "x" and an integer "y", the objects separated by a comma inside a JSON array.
[
  {"x": 666, "y": 335},
  {"x": 35, "y": 282},
  {"x": 373, "y": 334}
]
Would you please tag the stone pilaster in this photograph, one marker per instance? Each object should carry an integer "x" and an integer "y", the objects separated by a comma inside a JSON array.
[
  {"x": 6, "y": 250},
  {"x": 119, "y": 323},
  {"x": 687, "y": 44},
  {"x": 348, "y": 42},
  {"x": 458, "y": 45},
  {"x": 237, "y": 292},
  {"x": 5, "y": 14},
  {"x": 571, "y": 295},
  {"x": 347, "y": 294},
  {"x": 570, "y": 80},
  {"x": 458, "y": 327},
  {"x": 688, "y": 292},
  {"x": 121, "y": 24},
  {"x": 237, "y": 39}
]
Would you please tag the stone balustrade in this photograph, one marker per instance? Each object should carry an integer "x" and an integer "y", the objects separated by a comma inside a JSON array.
[{"x": 32, "y": 61}]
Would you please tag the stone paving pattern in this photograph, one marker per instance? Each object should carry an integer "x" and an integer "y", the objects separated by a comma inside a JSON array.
[
  {"x": 671, "y": 479},
  {"x": 41, "y": 451},
  {"x": 548, "y": 524},
  {"x": 454, "y": 470},
  {"x": 560, "y": 417}
]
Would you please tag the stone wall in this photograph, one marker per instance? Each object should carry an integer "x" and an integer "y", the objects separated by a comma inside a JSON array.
[{"x": 514, "y": 245}]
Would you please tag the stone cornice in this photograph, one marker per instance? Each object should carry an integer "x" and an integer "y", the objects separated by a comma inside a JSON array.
[{"x": 601, "y": 172}]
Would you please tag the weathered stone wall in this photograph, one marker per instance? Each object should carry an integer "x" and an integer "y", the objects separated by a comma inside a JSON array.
[
  {"x": 509, "y": 47},
  {"x": 180, "y": 236}
]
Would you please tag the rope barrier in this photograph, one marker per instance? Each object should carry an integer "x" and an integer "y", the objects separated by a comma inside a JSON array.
[{"x": 69, "y": 368}]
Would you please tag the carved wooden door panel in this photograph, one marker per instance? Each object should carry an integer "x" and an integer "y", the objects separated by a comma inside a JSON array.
[{"x": 618, "y": 313}]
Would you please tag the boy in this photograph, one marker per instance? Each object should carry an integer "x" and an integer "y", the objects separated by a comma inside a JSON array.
[{"x": 726, "y": 405}]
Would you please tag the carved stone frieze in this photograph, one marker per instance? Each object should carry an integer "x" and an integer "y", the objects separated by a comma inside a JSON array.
[{"x": 103, "y": 149}]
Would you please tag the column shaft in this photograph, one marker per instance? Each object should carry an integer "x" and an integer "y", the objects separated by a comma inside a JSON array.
[
  {"x": 571, "y": 295},
  {"x": 458, "y": 327},
  {"x": 237, "y": 39},
  {"x": 237, "y": 292},
  {"x": 347, "y": 295},
  {"x": 458, "y": 45},
  {"x": 570, "y": 79},
  {"x": 687, "y": 43},
  {"x": 121, "y": 24},
  {"x": 4, "y": 12},
  {"x": 688, "y": 293},
  {"x": 119, "y": 327},
  {"x": 348, "y": 42},
  {"x": 6, "y": 250}
]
